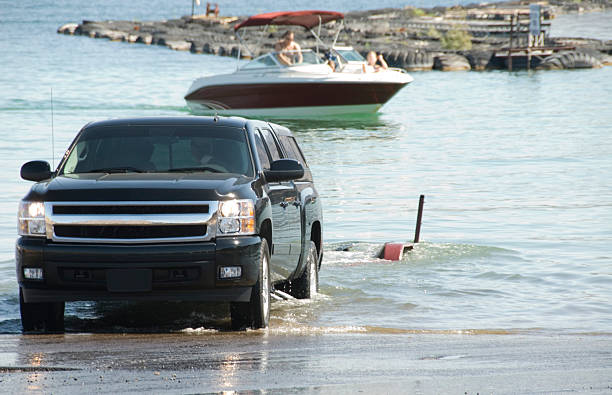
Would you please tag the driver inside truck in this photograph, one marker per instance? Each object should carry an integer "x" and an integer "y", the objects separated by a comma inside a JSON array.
[{"x": 201, "y": 151}]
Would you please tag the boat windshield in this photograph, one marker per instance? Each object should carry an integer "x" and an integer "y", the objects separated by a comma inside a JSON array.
[
  {"x": 308, "y": 57},
  {"x": 349, "y": 55}
]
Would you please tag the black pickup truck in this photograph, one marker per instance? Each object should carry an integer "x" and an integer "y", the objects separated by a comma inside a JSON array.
[{"x": 183, "y": 209}]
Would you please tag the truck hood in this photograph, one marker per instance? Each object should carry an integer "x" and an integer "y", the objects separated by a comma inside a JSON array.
[{"x": 142, "y": 187}]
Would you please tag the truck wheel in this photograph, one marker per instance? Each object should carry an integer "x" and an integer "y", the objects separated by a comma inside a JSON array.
[
  {"x": 46, "y": 317},
  {"x": 307, "y": 285},
  {"x": 256, "y": 313}
]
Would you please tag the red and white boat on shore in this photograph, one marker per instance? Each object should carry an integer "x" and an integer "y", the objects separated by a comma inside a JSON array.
[{"x": 267, "y": 88}]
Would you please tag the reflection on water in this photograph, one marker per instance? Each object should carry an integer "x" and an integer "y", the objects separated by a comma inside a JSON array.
[
  {"x": 36, "y": 359},
  {"x": 146, "y": 317},
  {"x": 374, "y": 121},
  {"x": 227, "y": 370},
  {"x": 232, "y": 364}
]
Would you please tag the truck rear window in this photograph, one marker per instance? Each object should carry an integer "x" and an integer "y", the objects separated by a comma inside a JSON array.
[{"x": 292, "y": 149}]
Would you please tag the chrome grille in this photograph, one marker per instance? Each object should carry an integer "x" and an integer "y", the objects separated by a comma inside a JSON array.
[
  {"x": 131, "y": 209},
  {"x": 129, "y": 232},
  {"x": 130, "y": 222}
]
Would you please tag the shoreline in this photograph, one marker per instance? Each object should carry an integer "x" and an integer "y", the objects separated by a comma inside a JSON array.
[
  {"x": 474, "y": 37},
  {"x": 264, "y": 362}
]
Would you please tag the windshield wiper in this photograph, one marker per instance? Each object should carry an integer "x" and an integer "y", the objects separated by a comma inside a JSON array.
[
  {"x": 126, "y": 169},
  {"x": 193, "y": 169}
]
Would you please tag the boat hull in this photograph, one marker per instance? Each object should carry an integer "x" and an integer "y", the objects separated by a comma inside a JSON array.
[
  {"x": 288, "y": 112},
  {"x": 292, "y": 99}
]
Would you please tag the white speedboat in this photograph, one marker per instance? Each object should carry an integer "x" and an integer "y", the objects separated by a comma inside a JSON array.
[{"x": 265, "y": 87}]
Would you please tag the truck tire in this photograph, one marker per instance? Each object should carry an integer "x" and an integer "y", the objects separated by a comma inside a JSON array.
[
  {"x": 307, "y": 285},
  {"x": 44, "y": 317},
  {"x": 255, "y": 313}
]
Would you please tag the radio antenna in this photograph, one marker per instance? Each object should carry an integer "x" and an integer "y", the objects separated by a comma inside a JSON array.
[{"x": 52, "y": 134}]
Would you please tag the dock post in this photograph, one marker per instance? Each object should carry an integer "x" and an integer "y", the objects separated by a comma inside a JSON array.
[
  {"x": 512, "y": 17},
  {"x": 528, "y": 58},
  {"x": 417, "y": 231}
]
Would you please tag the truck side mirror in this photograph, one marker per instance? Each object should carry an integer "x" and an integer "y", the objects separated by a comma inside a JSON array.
[
  {"x": 36, "y": 170},
  {"x": 284, "y": 170}
]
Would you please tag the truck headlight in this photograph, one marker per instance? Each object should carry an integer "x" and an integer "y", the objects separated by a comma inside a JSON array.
[
  {"x": 236, "y": 217},
  {"x": 31, "y": 218}
]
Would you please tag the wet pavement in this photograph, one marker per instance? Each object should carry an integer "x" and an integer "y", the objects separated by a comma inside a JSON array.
[{"x": 375, "y": 361}]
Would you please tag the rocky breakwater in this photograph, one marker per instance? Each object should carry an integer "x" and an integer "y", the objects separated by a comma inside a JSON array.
[{"x": 475, "y": 37}]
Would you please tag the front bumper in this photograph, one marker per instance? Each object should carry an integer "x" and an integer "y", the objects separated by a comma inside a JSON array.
[{"x": 173, "y": 271}]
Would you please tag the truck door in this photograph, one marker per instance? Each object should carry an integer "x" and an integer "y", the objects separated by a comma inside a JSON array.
[
  {"x": 303, "y": 188},
  {"x": 286, "y": 223}
]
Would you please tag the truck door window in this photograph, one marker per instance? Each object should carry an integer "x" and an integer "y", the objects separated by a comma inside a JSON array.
[
  {"x": 262, "y": 153},
  {"x": 271, "y": 144}
]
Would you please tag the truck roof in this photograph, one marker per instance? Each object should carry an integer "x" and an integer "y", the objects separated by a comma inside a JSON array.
[{"x": 237, "y": 122}]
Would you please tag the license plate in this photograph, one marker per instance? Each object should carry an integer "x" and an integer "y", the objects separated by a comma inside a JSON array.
[{"x": 129, "y": 280}]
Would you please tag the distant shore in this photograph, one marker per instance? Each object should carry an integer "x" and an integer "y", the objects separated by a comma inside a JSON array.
[{"x": 474, "y": 37}]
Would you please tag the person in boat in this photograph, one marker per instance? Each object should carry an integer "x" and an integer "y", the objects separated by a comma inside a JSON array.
[
  {"x": 288, "y": 51},
  {"x": 210, "y": 10},
  {"x": 331, "y": 60},
  {"x": 375, "y": 63}
]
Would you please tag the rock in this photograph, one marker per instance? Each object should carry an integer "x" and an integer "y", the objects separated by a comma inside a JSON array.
[
  {"x": 159, "y": 40},
  {"x": 145, "y": 39},
  {"x": 197, "y": 46},
  {"x": 68, "y": 28},
  {"x": 418, "y": 60},
  {"x": 570, "y": 60},
  {"x": 451, "y": 62},
  {"x": 178, "y": 45},
  {"x": 89, "y": 29},
  {"x": 112, "y": 35},
  {"x": 213, "y": 49},
  {"x": 479, "y": 60},
  {"x": 394, "y": 58},
  {"x": 378, "y": 29}
]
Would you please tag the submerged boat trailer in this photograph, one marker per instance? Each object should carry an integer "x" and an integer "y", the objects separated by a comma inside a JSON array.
[
  {"x": 280, "y": 295},
  {"x": 391, "y": 251},
  {"x": 394, "y": 251}
]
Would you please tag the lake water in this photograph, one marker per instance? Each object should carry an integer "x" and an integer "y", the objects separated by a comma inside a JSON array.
[{"x": 515, "y": 167}]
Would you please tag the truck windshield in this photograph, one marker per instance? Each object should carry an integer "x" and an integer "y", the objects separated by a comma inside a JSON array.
[{"x": 159, "y": 149}]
